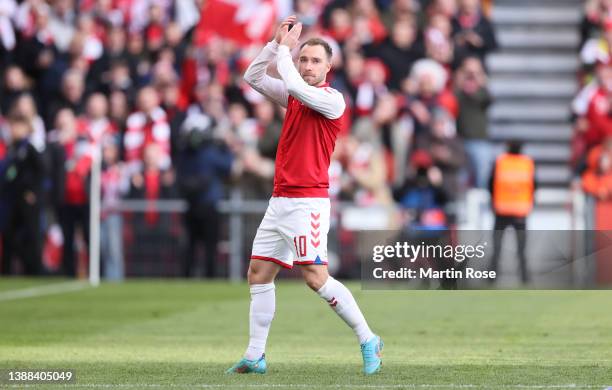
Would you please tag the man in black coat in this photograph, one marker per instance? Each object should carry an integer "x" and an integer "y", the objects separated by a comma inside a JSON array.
[
  {"x": 473, "y": 32},
  {"x": 22, "y": 190}
]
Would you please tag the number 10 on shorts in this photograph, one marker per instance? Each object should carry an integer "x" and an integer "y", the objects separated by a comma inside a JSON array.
[{"x": 300, "y": 245}]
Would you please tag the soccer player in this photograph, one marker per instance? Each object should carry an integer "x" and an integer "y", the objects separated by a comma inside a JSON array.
[{"x": 296, "y": 222}]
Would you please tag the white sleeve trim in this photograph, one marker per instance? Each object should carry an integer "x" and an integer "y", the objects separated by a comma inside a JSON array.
[
  {"x": 257, "y": 78},
  {"x": 329, "y": 102}
]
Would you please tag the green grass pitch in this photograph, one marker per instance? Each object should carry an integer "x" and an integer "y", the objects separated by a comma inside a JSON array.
[{"x": 178, "y": 334}]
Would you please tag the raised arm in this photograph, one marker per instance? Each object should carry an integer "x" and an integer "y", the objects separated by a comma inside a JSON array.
[
  {"x": 255, "y": 74},
  {"x": 257, "y": 78}
]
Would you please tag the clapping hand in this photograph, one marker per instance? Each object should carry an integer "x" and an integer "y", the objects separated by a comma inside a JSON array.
[
  {"x": 283, "y": 29},
  {"x": 291, "y": 38}
]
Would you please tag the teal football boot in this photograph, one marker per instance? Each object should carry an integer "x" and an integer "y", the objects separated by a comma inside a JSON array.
[
  {"x": 371, "y": 351},
  {"x": 246, "y": 366}
]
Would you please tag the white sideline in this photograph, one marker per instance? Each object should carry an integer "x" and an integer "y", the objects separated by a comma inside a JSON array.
[
  {"x": 47, "y": 289},
  {"x": 311, "y": 386}
]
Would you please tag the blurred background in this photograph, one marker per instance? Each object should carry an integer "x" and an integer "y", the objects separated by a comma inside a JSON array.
[{"x": 128, "y": 136}]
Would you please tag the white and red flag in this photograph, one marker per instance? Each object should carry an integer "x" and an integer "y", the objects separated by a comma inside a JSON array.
[{"x": 244, "y": 22}]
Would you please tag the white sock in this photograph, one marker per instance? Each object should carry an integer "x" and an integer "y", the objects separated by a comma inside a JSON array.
[
  {"x": 261, "y": 313},
  {"x": 341, "y": 300}
]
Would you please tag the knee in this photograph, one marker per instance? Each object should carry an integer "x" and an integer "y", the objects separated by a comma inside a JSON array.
[
  {"x": 315, "y": 280},
  {"x": 256, "y": 275},
  {"x": 253, "y": 275}
]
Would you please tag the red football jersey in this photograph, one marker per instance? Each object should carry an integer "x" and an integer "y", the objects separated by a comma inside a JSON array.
[
  {"x": 313, "y": 120},
  {"x": 304, "y": 152}
]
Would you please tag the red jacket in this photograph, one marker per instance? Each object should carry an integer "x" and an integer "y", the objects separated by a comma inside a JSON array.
[{"x": 600, "y": 121}]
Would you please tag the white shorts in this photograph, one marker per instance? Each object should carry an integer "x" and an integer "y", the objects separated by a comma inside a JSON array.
[{"x": 293, "y": 231}]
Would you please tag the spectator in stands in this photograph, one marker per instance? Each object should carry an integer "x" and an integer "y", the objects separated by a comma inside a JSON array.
[
  {"x": 70, "y": 96},
  {"x": 269, "y": 127},
  {"x": 138, "y": 60},
  {"x": 446, "y": 150},
  {"x": 203, "y": 165},
  {"x": 597, "y": 178},
  {"x": 473, "y": 31},
  {"x": 438, "y": 43},
  {"x": 398, "y": 51},
  {"x": 22, "y": 181},
  {"x": 25, "y": 107},
  {"x": 8, "y": 38},
  {"x": 474, "y": 100},
  {"x": 350, "y": 77},
  {"x": 444, "y": 8},
  {"x": 156, "y": 226},
  {"x": 118, "y": 110},
  {"x": 597, "y": 42},
  {"x": 595, "y": 13},
  {"x": 371, "y": 87},
  {"x": 421, "y": 195},
  {"x": 114, "y": 186},
  {"x": 368, "y": 27},
  {"x": 340, "y": 27},
  {"x": 95, "y": 124},
  {"x": 512, "y": 187},
  {"x": 15, "y": 84},
  {"x": 35, "y": 52},
  {"x": 599, "y": 111},
  {"x": 70, "y": 155},
  {"x": 399, "y": 10},
  {"x": 153, "y": 182},
  {"x": 176, "y": 115},
  {"x": 121, "y": 81},
  {"x": 426, "y": 90},
  {"x": 366, "y": 167},
  {"x": 149, "y": 125},
  {"x": 114, "y": 52}
]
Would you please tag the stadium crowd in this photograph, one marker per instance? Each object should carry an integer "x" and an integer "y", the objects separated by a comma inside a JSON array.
[
  {"x": 592, "y": 107},
  {"x": 161, "y": 98}
]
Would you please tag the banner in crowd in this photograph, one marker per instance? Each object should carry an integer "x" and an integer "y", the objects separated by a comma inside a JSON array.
[{"x": 244, "y": 22}]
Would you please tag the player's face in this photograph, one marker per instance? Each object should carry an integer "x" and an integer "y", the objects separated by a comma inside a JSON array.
[{"x": 313, "y": 64}]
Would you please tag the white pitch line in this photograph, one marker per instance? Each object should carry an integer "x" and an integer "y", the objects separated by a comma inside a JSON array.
[
  {"x": 47, "y": 289},
  {"x": 311, "y": 386}
]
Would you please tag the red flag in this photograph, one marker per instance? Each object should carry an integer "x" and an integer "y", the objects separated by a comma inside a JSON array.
[{"x": 244, "y": 22}]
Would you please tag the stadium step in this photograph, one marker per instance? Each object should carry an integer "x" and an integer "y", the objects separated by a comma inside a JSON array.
[
  {"x": 530, "y": 38},
  {"x": 553, "y": 175},
  {"x": 526, "y": 110},
  {"x": 545, "y": 154},
  {"x": 533, "y": 80},
  {"x": 549, "y": 13},
  {"x": 553, "y": 196},
  {"x": 531, "y": 132},
  {"x": 517, "y": 86},
  {"x": 559, "y": 152},
  {"x": 522, "y": 62}
]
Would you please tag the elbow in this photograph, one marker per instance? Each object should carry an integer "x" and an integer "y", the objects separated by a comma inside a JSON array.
[
  {"x": 248, "y": 78},
  {"x": 338, "y": 112}
]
